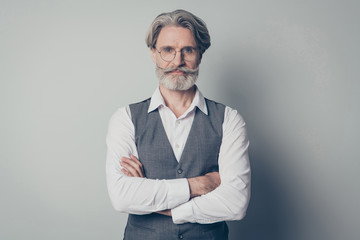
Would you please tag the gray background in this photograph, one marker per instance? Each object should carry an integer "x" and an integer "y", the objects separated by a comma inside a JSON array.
[{"x": 290, "y": 67}]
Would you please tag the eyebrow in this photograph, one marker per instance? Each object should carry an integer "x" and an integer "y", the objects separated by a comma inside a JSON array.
[{"x": 167, "y": 46}]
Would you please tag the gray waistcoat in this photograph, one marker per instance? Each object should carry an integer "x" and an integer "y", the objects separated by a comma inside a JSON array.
[{"x": 199, "y": 157}]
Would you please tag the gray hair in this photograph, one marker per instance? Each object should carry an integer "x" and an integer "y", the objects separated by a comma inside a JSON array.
[{"x": 180, "y": 18}]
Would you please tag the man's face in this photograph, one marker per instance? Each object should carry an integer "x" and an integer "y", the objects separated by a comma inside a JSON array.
[{"x": 179, "y": 73}]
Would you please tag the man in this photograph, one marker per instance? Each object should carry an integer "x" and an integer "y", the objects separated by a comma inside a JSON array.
[{"x": 177, "y": 162}]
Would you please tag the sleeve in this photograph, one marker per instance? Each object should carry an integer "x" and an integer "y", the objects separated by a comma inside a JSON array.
[
  {"x": 230, "y": 200},
  {"x": 132, "y": 194}
]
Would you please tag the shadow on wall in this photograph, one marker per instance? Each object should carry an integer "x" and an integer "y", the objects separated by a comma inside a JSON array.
[{"x": 270, "y": 215}]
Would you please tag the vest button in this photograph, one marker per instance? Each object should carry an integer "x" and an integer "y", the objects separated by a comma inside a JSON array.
[
  {"x": 179, "y": 171},
  {"x": 181, "y": 236}
]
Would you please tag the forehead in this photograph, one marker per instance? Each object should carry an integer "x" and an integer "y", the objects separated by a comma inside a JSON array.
[{"x": 175, "y": 36}]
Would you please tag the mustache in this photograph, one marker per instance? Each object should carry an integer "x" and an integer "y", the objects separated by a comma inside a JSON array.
[{"x": 185, "y": 70}]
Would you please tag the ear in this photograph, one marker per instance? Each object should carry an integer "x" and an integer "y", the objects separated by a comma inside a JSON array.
[{"x": 153, "y": 54}]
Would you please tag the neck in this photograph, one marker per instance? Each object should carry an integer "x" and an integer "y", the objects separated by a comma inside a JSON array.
[{"x": 177, "y": 101}]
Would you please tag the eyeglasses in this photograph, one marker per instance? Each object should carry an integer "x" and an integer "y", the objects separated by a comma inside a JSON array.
[{"x": 168, "y": 53}]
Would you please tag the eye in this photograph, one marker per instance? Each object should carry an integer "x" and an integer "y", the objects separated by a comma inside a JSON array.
[
  {"x": 167, "y": 50},
  {"x": 188, "y": 50}
]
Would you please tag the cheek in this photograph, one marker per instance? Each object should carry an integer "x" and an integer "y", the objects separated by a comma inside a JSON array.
[
  {"x": 161, "y": 63},
  {"x": 158, "y": 61},
  {"x": 191, "y": 65}
]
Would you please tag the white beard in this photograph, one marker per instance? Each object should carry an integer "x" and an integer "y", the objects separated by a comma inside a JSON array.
[{"x": 175, "y": 82}]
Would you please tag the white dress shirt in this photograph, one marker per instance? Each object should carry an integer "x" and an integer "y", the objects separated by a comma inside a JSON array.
[{"x": 136, "y": 195}]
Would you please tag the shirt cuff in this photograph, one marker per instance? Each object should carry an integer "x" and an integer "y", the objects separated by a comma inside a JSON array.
[
  {"x": 183, "y": 213},
  {"x": 178, "y": 193}
]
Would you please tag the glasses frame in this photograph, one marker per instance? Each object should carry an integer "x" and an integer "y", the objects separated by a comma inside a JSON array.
[{"x": 181, "y": 51}]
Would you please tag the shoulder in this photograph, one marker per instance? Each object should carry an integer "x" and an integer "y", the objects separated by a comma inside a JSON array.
[
  {"x": 122, "y": 119},
  {"x": 121, "y": 116},
  {"x": 214, "y": 104},
  {"x": 215, "y": 109},
  {"x": 143, "y": 102},
  {"x": 232, "y": 115},
  {"x": 125, "y": 112},
  {"x": 233, "y": 122},
  {"x": 142, "y": 106}
]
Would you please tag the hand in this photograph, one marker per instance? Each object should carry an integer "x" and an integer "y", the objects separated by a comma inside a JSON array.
[
  {"x": 132, "y": 167},
  {"x": 204, "y": 184},
  {"x": 165, "y": 212}
]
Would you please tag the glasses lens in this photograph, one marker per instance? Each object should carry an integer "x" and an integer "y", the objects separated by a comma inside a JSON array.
[
  {"x": 167, "y": 54},
  {"x": 189, "y": 53}
]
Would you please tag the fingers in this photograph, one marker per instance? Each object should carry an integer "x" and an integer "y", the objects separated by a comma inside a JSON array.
[
  {"x": 165, "y": 212},
  {"x": 126, "y": 172},
  {"x": 138, "y": 165},
  {"x": 213, "y": 174},
  {"x": 132, "y": 167},
  {"x": 136, "y": 161}
]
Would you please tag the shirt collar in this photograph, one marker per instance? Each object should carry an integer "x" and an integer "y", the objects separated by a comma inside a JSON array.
[{"x": 157, "y": 100}]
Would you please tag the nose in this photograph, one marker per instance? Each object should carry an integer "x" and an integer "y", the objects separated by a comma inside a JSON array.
[{"x": 179, "y": 59}]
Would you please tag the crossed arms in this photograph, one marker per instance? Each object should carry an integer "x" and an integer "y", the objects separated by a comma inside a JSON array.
[
  {"x": 198, "y": 186},
  {"x": 204, "y": 199}
]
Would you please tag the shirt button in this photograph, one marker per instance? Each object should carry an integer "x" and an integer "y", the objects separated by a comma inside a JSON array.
[
  {"x": 177, "y": 145},
  {"x": 179, "y": 171},
  {"x": 177, "y": 122},
  {"x": 181, "y": 236}
]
